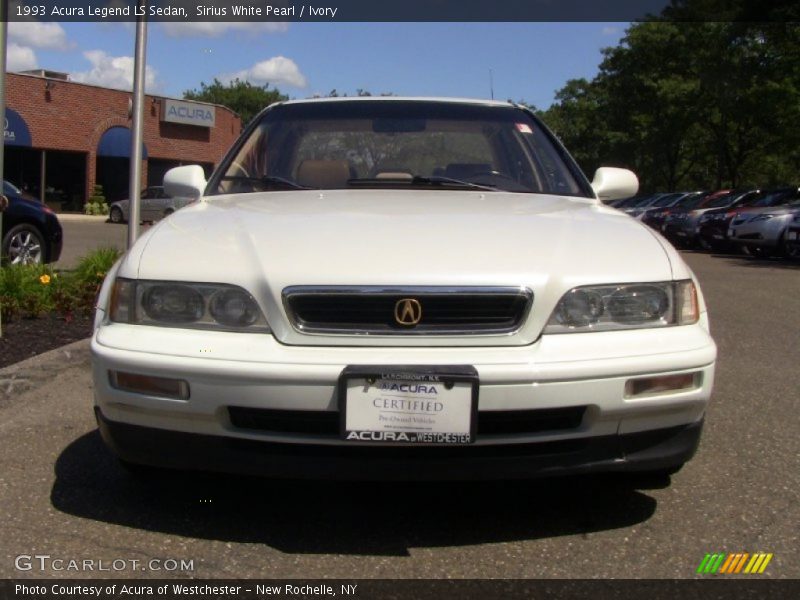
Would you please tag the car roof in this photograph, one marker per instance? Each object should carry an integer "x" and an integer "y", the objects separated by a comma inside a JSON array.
[{"x": 473, "y": 101}]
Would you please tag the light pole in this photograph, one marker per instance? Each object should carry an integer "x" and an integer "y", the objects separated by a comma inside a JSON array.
[
  {"x": 137, "y": 114},
  {"x": 3, "y": 33}
]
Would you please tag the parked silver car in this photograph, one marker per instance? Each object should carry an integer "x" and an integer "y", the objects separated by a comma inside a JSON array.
[
  {"x": 156, "y": 204},
  {"x": 792, "y": 238},
  {"x": 762, "y": 232}
]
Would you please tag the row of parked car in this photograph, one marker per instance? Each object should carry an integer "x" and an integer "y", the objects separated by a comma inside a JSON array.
[{"x": 759, "y": 222}]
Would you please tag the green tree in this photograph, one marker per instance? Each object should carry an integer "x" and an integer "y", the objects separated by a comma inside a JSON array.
[
  {"x": 693, "y": 103},
  {"x": 242, "y": 97}
]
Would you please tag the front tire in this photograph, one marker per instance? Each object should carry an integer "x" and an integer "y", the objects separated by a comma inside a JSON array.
[
  {"x": 757, "y": 251},
  {"x": 790, "y": 250},
  {"x": 116, "y": 216},
  {"x": 23, "y": 245}
]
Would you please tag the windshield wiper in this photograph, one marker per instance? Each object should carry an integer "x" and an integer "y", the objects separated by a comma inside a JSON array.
[
  {"x": 434, "y": 180},
  {"x": 439, "y": 180},
  {"x": 267, "y": 180}
]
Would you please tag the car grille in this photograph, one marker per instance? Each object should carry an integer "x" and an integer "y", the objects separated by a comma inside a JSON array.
[
  {"x": 377, "y": 310},
  {"x": 326, "y": 423}
]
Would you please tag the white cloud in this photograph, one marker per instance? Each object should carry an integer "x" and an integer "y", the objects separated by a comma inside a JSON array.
[
  {"x": 610, "y": 30},
  {"x": 39, "y": 35},
  {"x": 277, "y": 70},
  {"x": 20, "y": 58},
  {"x": 113, "y": 71},
  {"x": 219, "y": 28}
]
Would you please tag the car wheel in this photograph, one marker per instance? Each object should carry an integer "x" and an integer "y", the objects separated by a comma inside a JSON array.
[
  {"x": 704, "y": 244},
  {"x": 116, "y": 215},
  {"x": 168, "y": 212},
  {"x": 790, "y": 250},
  {"x": 757, "y": 251},
  {"x": 23, "y": 245}
]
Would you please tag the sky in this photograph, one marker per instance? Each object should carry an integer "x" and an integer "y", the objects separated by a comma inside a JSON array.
[{"x": 522, "y": 61}]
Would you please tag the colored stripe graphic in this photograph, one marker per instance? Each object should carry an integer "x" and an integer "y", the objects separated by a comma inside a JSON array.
[{"x": 727, "y": 564}]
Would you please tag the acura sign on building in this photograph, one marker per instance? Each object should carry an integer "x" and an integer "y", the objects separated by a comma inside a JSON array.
[{"x": 187, "y": 113}]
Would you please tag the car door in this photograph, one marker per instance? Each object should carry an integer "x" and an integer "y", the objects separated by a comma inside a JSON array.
[{"x": 146, "y": 205}]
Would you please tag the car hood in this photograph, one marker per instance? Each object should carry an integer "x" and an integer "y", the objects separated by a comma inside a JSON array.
[
  {"x": 773, "y": 210},
  {"x": 266, "y": 242}
]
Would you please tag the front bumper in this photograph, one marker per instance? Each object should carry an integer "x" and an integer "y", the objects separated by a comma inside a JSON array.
[
  {"x": 638, "y": 452},
  {"x": 54, "y": 239},
  {"x": 762, "y": 233},
  {"x": 683, "y": 232},
  {"x": 254, "y": 371}
]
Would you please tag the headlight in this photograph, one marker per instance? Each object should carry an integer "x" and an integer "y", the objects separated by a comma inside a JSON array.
[
  {"x": 181, "y": 304},
  {"x": 625, "y": 306},
  {"x": 763, "y": 217}
]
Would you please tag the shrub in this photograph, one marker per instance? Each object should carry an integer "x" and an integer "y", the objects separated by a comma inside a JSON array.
[
  {"x": 27, "y": 290},
  {"x": 32, "y": 290},
  {"x": 96, "y": 204}
]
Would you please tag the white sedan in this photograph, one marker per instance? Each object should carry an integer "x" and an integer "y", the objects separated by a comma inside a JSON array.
[{"x": 390, "y": 288}]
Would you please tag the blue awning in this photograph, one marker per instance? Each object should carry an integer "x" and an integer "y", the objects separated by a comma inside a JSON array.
[
  {"x": 16, "y": 130},
  {"x": 116, "y": 142}
]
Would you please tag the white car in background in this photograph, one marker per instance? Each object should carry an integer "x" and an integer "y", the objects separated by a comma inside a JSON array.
[
  {"x": 155, "y": 204},
  {"x": 389, "y": 288}
]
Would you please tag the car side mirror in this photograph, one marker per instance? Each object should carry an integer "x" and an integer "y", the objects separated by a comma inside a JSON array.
[
  {"x": 185, "y": 181},
  {"x": 611, "y": 183}
]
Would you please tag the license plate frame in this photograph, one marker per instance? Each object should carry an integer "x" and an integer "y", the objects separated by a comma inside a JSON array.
[{"x": 458, "y": 402}]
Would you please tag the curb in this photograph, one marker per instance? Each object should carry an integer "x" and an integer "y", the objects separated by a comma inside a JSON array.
[
  {"x": 78, "y": 217},
  {"x": 36, "y": 370}
]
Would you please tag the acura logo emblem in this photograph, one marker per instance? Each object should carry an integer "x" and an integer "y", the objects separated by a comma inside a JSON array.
[{"x": 407, "y": 311}]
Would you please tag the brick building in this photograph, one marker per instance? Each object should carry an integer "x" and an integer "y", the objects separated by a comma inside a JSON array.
[{"x": 62, "y": 137}]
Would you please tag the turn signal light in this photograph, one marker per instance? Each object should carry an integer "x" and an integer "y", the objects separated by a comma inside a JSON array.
[
  {"x": 147, "y": 384},
  {"x": 662, "y": 384}
]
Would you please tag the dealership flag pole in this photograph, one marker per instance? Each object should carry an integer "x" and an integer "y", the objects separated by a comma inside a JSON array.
[
  {"x": 3, "y": 32},
  {"x": 137, "y": 110}
]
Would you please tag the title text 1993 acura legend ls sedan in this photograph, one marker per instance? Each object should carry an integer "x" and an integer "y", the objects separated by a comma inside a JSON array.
[{"x": 401, "y": 289}]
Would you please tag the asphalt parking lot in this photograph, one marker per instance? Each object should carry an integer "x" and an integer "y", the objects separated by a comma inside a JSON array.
[
  {"x": 83, "y": 234},
  {"x": 63, "y": 495}
]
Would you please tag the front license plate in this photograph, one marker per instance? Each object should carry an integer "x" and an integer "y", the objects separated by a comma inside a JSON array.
[
  {"x": 731, "y": 233},
  {"x": 791, "y": 235},
  {"x": 409, "y": 405}
]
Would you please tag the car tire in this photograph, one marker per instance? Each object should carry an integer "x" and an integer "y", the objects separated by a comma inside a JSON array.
[
  {"x": 792, "y": 252},
  {"x": 23, "y": 244},
  {"x": 757, "y": 251},
  {"x": 704, "y": 244},
  {"x": 168, "y": 212},
  {"x": 116, "y": 216}
]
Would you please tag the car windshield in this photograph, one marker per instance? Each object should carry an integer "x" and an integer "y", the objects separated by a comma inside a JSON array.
[
  {"x": 692, "y": 201},
  {"x": 723, "y": 201},
  {"x": 398, "y": 144},
  {"x": 10, "y": 188},
  {"x": 776, "y": 198},
  {"x": 664, "y": 201}
]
